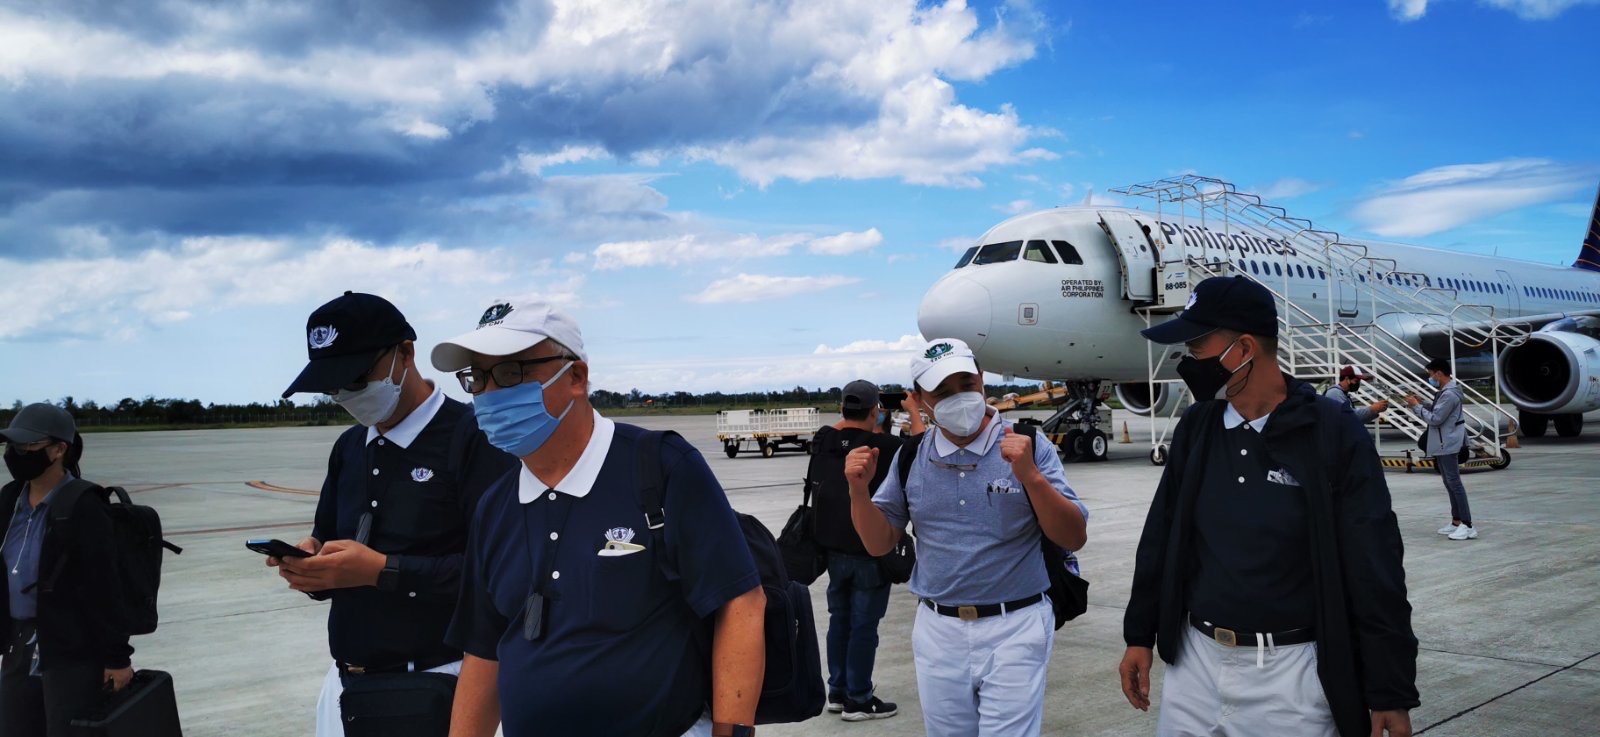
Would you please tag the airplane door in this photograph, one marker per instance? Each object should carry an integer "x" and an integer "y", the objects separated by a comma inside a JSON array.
[
  {"x": 1135, "y": 255},
  {"x": 1513, "y": 294},
  {"x": 1349, "y": 303}
]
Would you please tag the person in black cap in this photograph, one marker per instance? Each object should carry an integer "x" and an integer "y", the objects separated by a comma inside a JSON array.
[
  {"x": 391, "y": 523},
  {"x": 1269, "y": 571},
  {"x": 65, "y": 644},
  {"x": 1447, "y": 435},
  {"x": 858, "y": 594}
]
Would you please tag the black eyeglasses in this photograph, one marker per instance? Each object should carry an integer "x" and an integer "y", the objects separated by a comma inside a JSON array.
[
  {"x": 361, "y": 381},
  {"x": 506, "y": 374}
]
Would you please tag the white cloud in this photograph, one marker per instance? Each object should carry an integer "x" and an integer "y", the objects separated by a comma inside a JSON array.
[
  {"x": 902, "y": 344},
  {"x": 203, "y": 275},
  {"x": 535, "y": 163},
  {"x": 845, "y": 244},
  {"x": 574, "y": 258},
  {"x": 423, "y": 129},
  {"x": 1407, "y": 10},
  {"x": 762, "y": 288},
  {"x": 691, "y": 249},
  {"x": 1286, "y": 188},
  {"x": 958, "y": 243},
  {"x": 1447, "y": 197},
  {"x": 1016, "y": 207}
]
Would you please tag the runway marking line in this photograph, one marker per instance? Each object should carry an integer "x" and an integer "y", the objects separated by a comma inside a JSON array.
[{"x": 264, "y": 486}]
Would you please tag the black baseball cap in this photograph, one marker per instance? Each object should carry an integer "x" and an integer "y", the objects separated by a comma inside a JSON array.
[
  {"x": 344, "y": 337},
  {"x": 1220, "y": 303},
  {"x": 860, "y": 394}
]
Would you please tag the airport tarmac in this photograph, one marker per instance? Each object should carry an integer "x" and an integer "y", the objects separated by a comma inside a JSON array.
[{"x": 1506, "y": 622}]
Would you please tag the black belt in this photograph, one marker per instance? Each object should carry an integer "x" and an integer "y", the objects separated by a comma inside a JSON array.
[
  {"x": 1233, "y": 638},
  {"x": 415, "y": 666},
  {"x": 980, "y": 611}
]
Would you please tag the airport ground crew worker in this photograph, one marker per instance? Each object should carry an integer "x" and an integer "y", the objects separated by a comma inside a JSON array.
[
  {"x": 568, "y": 620},
  {"x": 1350, "y": 378},
  {"x": 1447, "y": 433},
  {"x": 391, "y": 523},
  {"x": 979, "y": 495},
  {"x": 1269, "y": 571},
  {"x": 65, "y": 643},
  {"x": 858, "y": 594}
]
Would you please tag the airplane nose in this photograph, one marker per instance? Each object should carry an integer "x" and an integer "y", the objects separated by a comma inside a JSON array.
[{"x": 956, "y": 307}]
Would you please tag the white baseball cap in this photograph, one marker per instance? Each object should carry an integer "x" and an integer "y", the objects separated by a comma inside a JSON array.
[
  {"x": 940, "y": 358},
  {"x": 510, "y": 326}
]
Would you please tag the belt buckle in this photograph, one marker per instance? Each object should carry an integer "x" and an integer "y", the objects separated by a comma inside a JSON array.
[
  {"x": 1225, "y": 637},
  {"x": 967, "y": 613},
  {"x": 355, "y": 670}
]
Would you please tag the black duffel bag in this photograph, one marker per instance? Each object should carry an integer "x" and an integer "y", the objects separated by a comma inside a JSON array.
[
  {"x": 146, "y": 707},
  {"x": 803, "y": 559},
  {"x": 397, "y": 704}
]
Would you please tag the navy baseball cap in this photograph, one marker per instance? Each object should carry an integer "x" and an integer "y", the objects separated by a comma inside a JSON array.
[
  {"x": 1220, "y": 303},
  {"x": 344, "y": 337}
]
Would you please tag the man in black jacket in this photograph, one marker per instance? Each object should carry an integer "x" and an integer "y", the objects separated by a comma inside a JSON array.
[{"x": 1269, "y": 572}]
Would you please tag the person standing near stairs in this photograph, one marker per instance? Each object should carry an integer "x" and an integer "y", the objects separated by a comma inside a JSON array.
[
  {"x": 1350, "y": 378},
  {"x": 1447, "y": 433}
]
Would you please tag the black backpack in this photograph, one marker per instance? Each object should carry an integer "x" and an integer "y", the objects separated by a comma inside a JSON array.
[
  {"x": 136, "y": 530},
  {"x": 792, "y": 688},
  {"x": 1069, "y": 593}
]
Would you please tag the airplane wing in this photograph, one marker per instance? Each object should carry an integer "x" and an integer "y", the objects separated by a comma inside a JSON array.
[{"x": 1436, "y": 335}]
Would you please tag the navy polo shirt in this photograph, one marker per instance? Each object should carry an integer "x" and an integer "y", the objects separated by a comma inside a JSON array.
[{"x": 623, "y": 651}]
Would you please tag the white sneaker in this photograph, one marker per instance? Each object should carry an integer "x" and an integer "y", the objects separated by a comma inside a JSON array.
[
  {"x": 1447, "y": 529},
  {"x": 1464, "y": 533}
]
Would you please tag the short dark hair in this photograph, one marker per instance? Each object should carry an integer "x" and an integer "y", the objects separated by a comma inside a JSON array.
[
  {"x": 1440, "y": 365},
  {"x": 856, "y": 415}
]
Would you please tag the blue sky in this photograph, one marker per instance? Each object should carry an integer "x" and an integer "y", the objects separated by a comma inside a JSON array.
[{"x": 725, "y": 195}]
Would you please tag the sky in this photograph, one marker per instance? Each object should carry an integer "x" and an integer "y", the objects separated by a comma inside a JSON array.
[{"x": 726, "y": 195}]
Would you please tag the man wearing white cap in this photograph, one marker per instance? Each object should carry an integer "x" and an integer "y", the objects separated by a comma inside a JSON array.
[
  {"x": 980, "y": 496},
  {"x": 567, "y": 618}
]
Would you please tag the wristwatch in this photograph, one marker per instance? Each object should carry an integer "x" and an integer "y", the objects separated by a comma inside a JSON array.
[
  {"x": 389, "y": 577},
  {"x": 723, "y": 729}
]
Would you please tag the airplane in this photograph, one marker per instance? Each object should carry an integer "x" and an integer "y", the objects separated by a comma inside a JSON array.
[{"x": 1060, "y": 295}]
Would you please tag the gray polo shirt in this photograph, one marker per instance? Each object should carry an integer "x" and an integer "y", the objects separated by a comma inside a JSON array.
[{"x": 977, "y": 537}]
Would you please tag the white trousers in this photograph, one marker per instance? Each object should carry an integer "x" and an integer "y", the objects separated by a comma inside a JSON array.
[
  {"x": 984, "y": 677},
  {"x": 1219, "y": 691},
  {"x": 328, "y": 722}
]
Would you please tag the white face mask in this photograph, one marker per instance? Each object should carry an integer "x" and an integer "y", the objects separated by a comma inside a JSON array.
[
  {"x": 377, "y": 401},
  {"x": 961, "y": 414}
]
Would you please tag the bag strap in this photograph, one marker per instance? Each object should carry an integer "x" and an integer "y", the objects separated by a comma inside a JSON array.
[
  {"x": 66, "y": 498},
  {"x": 652, "y": 497}
]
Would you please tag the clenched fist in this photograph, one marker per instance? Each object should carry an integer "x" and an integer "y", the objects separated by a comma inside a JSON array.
[
  {"x": 860, "y": 466},
  {"x": 1017, "y": 450}
]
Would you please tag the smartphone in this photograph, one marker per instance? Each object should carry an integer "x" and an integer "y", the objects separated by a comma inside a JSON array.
[
  {"x": 276, "y": 549},
  {"x": 891, "y": 400}
]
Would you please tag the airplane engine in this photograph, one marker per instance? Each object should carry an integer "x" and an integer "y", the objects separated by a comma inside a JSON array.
[
  {"x": 1135, "y": 397},
  {"x": 1553, "y": 373}
]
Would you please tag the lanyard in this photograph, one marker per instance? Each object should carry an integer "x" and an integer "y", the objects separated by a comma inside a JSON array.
[{"x": 537, "y": 607}]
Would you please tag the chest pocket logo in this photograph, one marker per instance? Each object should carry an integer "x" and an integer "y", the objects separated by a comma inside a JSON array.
[
  {"x": 420, "y": 474},
  {"x": 619, "y": 542},
  {"x": 1282, "y": 476}
]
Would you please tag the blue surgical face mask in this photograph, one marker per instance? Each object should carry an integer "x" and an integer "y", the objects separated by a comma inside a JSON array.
[
  {"x": 515, "y": 419},
  {"x": 1433, "y": 382}
]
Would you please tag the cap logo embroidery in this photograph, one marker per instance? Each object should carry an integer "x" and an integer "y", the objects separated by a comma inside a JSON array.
[
  {"x": 495, "y": 315},
  {"x": 938, "y": 351},
  {"x": 420, "y": 474},
  {"x": 1192, "y": 297},
  {"x": 322, "y": 337}
]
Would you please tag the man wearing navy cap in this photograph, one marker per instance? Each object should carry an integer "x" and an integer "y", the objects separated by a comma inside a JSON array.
[
  {"x": 1269, "y": 571},
  {"x": 569, "y": 621},
  {"x": 391, "y": 522}
]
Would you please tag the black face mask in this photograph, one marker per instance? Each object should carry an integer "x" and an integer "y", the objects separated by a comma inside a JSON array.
[
  {"x": 1206, "y": 377},
  {"x": 29, "y": 465},
  {"x": 1355, "y": 386}
]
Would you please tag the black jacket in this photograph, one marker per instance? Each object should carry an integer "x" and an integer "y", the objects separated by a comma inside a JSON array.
[
  {"x": 80, "y": 619},
  {"x": 1366, "y": 652}
]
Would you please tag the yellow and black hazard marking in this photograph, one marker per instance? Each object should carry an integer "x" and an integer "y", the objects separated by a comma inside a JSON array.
[{"x": 1426, "y": 463}]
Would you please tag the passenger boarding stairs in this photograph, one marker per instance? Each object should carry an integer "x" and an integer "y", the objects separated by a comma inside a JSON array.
[{"x": 1312, "y": 346}]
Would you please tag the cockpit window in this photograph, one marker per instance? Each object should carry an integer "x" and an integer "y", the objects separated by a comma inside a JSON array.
[
  {"x": 1039, "y": 251},
  {"x": 1069, "y": 255},
  {"x": 966, "y": 258},
  {"x": 995, "y": 253}
]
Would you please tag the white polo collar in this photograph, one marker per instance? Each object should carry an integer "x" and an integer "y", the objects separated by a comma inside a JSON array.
[
  {"x": 580, "y": 480},
  {"x": 405, "y": 433},
  {"x": 1232, "y": 419},
  {"x": 979, "y": 445}
]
